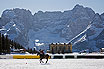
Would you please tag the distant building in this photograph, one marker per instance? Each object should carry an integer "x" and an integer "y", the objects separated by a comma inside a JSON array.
[
  {"x": 101, "y": 50},
  {"x": 60, "y": 48}
]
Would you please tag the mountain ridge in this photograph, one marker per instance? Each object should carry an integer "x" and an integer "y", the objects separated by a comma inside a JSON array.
[{"x": 49, "y": 27}]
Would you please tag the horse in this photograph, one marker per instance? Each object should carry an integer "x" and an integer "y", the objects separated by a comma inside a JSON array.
[{"x": 42, "y": 56}]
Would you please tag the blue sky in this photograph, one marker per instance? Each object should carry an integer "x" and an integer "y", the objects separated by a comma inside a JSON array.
[{"x": 51, "y": 5}]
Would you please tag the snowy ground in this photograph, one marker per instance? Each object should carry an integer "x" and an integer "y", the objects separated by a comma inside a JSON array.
[{"x": 52, "y": 64}]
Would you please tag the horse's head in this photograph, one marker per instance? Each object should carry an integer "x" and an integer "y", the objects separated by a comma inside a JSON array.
[{"x": 38, "y": 53}]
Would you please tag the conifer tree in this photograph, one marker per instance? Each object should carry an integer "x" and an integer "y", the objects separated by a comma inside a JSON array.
[
  {"x": 0, "y": 44},
  {"x": 7, "y": 44},
  {"x": 3, "y": 44}
]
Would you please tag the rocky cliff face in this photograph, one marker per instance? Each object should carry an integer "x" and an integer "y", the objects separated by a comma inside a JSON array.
[
  {"x": 91, "y": 36},
  {"x": 17, "y": 23},
  {"x": 47, "y": 27}
]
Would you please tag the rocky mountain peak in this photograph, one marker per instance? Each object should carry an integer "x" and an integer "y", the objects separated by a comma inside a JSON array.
[
  {"x": 78, "y": 6},
  {"x": 102, "y": 16},
  {"x": 49, "y": 27}
]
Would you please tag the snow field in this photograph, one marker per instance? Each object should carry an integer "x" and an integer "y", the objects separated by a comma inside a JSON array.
[{"x": 52, "y": 64}]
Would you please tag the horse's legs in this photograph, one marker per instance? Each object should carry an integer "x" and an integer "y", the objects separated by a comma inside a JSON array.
[
  {"x": 47, "y": 56},
  {"x": 46, "y": 60},
  {"x": 41, "y": 60}
]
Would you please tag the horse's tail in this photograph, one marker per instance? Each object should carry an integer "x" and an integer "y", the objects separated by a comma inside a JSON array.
[{"x": 47, "y": 56}]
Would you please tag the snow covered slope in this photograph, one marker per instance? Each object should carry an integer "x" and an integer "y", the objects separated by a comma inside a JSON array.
[{"x": 92, "y": 37}]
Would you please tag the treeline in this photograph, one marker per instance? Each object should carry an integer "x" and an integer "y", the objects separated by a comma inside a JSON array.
[
  {"x": 6, "y": 45},
  {"x": 31, "y": 51}
]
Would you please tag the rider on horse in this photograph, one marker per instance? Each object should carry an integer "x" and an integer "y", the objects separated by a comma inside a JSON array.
[
  {"x": 41, "y": 52},
  {"x": 42, "y": 55}
]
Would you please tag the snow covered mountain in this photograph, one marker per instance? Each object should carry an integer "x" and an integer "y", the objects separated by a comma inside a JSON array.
[
  {"x": 81, "y": 26},
  {"x": 92, "y": 37}
]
